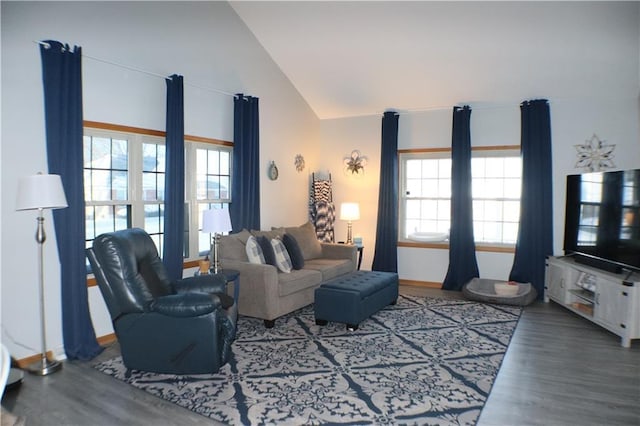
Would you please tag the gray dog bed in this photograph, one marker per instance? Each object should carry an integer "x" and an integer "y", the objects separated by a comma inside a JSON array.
[{"x": 481, "y": 290}]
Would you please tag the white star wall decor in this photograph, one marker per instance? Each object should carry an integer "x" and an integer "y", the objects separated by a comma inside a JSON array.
[
  {"x": 595, "y": 154},
  {"x": 355, "y": 163}
]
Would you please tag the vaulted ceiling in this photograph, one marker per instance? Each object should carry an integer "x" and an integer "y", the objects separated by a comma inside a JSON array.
[{"x": 360, "y": 58}]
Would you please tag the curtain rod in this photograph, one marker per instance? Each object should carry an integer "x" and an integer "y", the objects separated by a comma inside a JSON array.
[
  {"x": 460, "y": 105},
  {"x": 486, "y": 105},
  {"x": 131, "y": 68},
  {"x": 425, "y": 109}
]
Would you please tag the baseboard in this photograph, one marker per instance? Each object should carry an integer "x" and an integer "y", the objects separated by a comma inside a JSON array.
[
  {"x": 107, "y": 339},
  {"x": 25, "y": 362},
  {"x": 414, "y": 283}
]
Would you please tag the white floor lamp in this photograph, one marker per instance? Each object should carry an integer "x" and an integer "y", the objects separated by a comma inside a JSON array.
[{"x": 40, "y": 192}]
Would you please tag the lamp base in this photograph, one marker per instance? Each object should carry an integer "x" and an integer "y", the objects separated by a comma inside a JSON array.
[
  {"x": 215, "y": 265},
  {"x": 349, "y": 228},
  {"x": 44, "y": 367}
]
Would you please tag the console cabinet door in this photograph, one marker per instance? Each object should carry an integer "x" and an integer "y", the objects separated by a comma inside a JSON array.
[
  {"x": 556, "y": 282},
  {"x": 611, "y": 304}
]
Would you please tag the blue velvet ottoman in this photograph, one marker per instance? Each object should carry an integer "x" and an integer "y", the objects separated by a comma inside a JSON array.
[{"x": 352, "y": 298}]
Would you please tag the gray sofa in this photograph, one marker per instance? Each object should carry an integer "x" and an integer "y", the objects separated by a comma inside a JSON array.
[{"x": 266, "y": 292}]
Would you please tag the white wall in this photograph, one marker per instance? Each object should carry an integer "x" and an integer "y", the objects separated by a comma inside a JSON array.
[
  {"x": 203, "y": 41},
  {"x": 339, "y": 138},
  {"x": 572, "y": 122},
  {"x": 610, "y": 109}
]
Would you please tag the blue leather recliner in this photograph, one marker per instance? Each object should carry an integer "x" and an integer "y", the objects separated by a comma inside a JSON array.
[{"x": 182, "y": 327}]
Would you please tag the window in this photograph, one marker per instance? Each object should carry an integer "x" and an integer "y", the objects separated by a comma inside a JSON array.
[
  {"x": 425, "y": 204},
  {"x": 427, "y": 199},
  {"x": 213, "y": 183},
  {"x": 106, "y": 185},
  {"x": 496, "y": 186},
  {"x": 124, "y": 173},
  {"x": 153, "y": 162}
]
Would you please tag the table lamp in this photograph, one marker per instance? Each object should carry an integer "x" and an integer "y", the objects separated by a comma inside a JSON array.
[
  {"x": 349, "y": 212},
  {"x": 40, "y": 192},
  {"x": 216, "y": 221}
]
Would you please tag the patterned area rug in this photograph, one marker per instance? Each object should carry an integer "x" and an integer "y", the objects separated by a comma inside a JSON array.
[{"x": 423, "y": 361}]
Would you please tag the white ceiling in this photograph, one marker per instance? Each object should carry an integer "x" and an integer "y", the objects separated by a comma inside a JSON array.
[{"x": 360, "y": 58}]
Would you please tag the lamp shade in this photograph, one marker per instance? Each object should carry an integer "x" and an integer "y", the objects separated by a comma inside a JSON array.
[
  {"x": 40, "y": 192},
  {"x": 349, "y": 211},
  {"x": 216, "y": 220}
]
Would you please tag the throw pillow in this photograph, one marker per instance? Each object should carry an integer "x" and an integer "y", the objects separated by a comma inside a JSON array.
[
  {"x": 267, "y": 250},
  {"x": 283, "y": 261},
  {"x": 232, "y": 248},
  {"x": 306, "y": 237},
  {"x": 254, "y": 252},
  {"x": 297, "y": 260}
]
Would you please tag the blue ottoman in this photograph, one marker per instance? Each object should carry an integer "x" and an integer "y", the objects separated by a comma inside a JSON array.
[{"x": 354, "y": 297}]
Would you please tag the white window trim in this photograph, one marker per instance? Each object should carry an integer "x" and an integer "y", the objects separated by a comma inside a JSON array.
[
  {"x": 136, "y": 140},
  {"x": 191, "y": 191},
  {"x": 436, "y": 153}
]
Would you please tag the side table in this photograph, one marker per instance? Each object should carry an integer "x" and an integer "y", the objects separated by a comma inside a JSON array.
[{"x": 230, "y": 275}]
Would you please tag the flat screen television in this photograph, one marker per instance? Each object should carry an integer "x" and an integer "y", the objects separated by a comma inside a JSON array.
[{"x": 602, "y": 222}]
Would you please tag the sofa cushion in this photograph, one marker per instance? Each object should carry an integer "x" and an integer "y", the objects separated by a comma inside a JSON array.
[
  {"x": 293, "y": 248},
  {"x": 330, "y": 268},
  {"x": 297, "y": 281},
  {"x": 254, "y": 252},
  {"x": 267, "y": 250},
  {"x": 233, "y": 246},
  {"x": 305, "y": 235},
  {"x": 283, "y": 261}
]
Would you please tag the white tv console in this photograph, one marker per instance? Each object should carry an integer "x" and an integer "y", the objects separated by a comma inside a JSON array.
[{"x": 608, "y": 299}]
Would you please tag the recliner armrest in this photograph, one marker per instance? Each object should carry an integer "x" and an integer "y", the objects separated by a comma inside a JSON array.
[
  {"x": 209, "y": 283},
  {"x": 186, "y": 305}
]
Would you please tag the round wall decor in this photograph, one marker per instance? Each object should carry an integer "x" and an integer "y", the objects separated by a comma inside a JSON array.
[{"x": 273, "y": 171}]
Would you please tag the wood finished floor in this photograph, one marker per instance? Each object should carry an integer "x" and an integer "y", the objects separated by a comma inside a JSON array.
[{"x": 559, "y": 370}]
